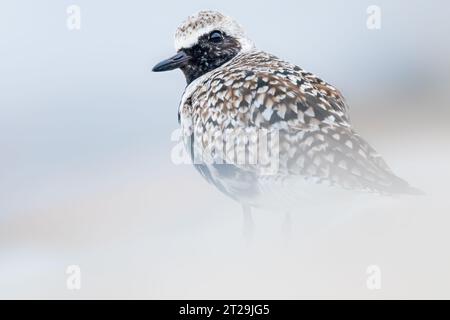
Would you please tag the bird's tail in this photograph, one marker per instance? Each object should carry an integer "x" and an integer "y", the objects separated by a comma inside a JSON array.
[{"x": 400, "y": 186}]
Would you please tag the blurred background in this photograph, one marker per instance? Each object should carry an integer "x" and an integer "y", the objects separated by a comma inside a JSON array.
[{"x": 86, "y": 176}]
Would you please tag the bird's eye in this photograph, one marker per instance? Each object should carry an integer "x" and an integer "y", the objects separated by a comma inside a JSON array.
[{"x": 216, "y": 36}]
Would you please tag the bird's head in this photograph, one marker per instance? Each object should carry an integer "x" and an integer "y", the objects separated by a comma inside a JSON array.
[{"x": 204, "y": 42}]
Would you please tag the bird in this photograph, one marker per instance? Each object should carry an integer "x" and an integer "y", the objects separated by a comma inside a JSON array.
[{"x": 238, "y": 96}]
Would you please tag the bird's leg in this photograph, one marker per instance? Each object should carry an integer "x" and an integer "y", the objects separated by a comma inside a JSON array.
[
  {"x": 248, "y": 222},
  {"x": 286, "y": 228}
]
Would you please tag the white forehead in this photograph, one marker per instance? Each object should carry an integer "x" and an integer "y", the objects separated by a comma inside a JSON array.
[{"x": 204, "y": 22}]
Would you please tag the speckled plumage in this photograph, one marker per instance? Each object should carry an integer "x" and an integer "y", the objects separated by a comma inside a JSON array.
[{"x": 254, "y": 92}]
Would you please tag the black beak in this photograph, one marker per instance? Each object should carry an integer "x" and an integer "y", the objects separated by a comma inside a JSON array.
[{"x": 174, "y": 62}]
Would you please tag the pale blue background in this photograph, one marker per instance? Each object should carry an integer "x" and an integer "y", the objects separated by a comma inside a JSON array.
[{"x": 85, "y": 169}]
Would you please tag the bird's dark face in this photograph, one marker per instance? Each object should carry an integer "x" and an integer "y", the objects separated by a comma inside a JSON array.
[{"x": 210, "y": 52}]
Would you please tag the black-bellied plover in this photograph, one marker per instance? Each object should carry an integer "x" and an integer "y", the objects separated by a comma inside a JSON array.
[{"x": 235, "y": 92}]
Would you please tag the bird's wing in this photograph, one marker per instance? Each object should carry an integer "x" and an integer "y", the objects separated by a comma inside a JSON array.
[
  {"x": 315, "y": 137},
  {"x": 337, "y": 155}
]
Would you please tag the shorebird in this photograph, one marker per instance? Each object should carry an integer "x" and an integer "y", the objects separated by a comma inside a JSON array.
[{"x": 235, "y": 92}]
